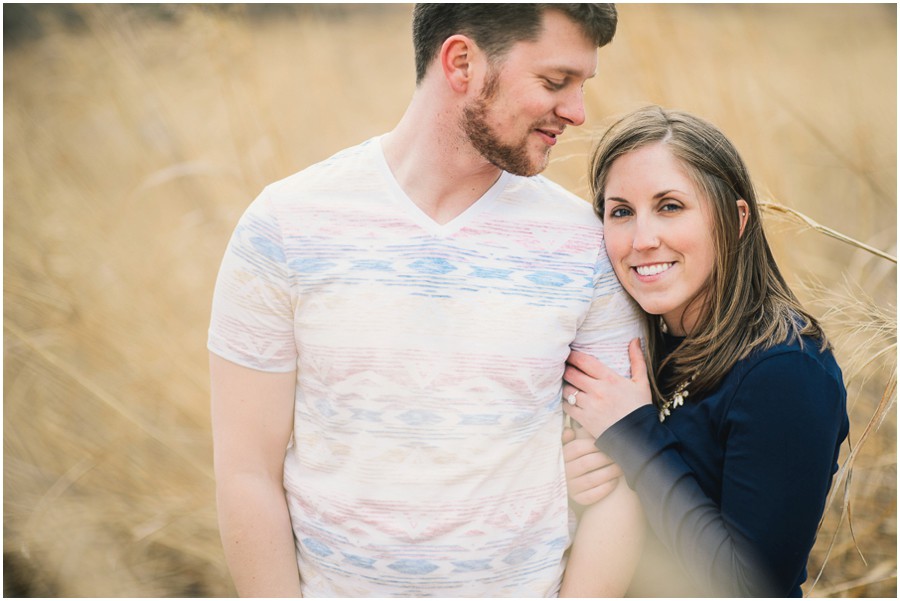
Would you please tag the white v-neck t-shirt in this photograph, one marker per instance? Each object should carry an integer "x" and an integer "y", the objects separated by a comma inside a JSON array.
[{"x": 425, "y": 458}]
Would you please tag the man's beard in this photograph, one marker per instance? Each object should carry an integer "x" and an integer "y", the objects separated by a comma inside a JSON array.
[{"x": 509, "y": 157}]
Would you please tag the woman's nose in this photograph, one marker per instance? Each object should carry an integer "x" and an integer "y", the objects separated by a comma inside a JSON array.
[{"x": 645, "y": 235}]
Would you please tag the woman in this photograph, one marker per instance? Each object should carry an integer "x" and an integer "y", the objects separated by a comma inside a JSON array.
[{"x": 732, "y": 442}]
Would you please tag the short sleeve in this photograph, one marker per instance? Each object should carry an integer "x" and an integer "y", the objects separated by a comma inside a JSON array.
[
  {"x": 612, "y": 321},
  {"x": 251, "y": 323}
]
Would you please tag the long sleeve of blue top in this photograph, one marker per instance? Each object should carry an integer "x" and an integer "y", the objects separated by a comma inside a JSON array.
[{"x": 734, "y": 484}]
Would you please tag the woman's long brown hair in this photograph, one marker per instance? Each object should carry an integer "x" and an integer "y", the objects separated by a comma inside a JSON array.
[{"x": 747, "y": 304}]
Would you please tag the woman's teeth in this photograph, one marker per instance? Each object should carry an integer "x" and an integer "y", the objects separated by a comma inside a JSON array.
[{"x": 652, "y": 269}]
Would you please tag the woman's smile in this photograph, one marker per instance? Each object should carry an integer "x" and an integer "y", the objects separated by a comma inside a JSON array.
[{"x": 653, "y": 269}]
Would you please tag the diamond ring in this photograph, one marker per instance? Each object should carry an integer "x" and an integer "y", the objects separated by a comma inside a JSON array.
[{"x": 571, "y": 398}]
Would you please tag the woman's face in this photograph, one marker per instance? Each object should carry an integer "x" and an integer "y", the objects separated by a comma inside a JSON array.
[{"x": 659, "y": 234}]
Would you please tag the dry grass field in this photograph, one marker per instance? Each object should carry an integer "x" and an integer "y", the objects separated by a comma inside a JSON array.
[{"x": 134, "y": 137}]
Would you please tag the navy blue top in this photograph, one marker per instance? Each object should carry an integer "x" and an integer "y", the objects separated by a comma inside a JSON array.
[{"x": 734, "y": 484}]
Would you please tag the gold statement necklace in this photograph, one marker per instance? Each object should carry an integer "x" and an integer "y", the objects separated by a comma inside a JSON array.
[{"x": 676, "y": 400}]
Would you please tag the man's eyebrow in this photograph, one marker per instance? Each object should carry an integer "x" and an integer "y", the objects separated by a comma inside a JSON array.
[{"x": 570, "y": 72}]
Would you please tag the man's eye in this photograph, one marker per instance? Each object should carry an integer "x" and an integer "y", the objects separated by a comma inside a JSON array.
[{"x": 555, "y": 85}]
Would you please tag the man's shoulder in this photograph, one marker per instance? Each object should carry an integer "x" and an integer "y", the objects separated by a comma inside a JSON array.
[
  {"x": 544, "y": 194},
  {"x": 339, "y": 170},
  {"x": 541, "y": 184}
]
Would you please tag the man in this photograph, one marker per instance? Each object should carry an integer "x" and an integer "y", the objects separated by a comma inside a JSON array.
[{"x": 397, "y": 318}]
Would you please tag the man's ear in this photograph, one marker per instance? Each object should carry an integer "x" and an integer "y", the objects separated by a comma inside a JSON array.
[
  {"x": 456, "y": 57},
  {"x": 743, "y": 215}
]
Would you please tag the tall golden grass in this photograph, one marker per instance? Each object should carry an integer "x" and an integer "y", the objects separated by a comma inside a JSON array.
[{"x": 135, "y": 136}]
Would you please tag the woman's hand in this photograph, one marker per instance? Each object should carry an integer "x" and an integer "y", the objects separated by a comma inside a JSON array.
[
  {"x": 590, "y": 474},
  {"x": 603, "y": 397}
]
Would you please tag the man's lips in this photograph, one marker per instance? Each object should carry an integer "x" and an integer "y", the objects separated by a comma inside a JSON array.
[{"x": 549, "y": 135}]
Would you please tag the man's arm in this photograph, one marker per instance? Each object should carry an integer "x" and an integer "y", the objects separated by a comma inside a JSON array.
[{"x": 252, "y": 420}]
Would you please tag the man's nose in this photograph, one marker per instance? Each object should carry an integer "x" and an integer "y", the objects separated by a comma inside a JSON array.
[{"x": 571, "y": 109}]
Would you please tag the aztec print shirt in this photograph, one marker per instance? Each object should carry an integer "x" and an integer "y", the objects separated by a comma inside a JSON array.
[{"x": 426, "y": 457}]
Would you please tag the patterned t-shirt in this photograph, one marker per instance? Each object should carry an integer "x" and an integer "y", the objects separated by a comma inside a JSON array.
[{"x": 425, "y": 458}]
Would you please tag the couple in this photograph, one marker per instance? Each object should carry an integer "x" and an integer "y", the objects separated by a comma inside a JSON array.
[{"x": 394, "y": 328}]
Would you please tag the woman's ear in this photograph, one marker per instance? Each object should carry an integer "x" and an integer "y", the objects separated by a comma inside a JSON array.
[
  {"x": 456, "y": 62},
  {"x": 743, "y": 215}
]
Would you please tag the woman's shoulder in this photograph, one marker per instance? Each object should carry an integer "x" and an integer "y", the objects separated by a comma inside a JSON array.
[
  {"x": 800, "y": 356},
  {"x": 800, "y": 369}
]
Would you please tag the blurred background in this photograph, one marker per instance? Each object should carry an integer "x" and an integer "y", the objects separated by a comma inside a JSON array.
[{"x": 135, "y": 135}]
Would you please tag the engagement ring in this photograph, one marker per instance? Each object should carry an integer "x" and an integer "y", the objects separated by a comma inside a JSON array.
[{"x": 571, "y": 398}]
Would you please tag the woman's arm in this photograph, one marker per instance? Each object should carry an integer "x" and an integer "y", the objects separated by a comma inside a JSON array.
[
  {"x": 252, "y": 418},
  {"x": 607, "y": 546},
  {"x": 781, "y": 431}
]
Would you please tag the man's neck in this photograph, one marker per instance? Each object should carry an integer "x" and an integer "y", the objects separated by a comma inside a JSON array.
[{"x": 433, "y": 162}]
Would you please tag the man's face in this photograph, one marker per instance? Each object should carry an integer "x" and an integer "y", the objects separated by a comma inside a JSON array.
[{"x": 526, "y": 103}]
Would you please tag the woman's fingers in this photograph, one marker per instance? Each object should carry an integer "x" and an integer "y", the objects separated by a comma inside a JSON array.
[
  {"x": 638, "y": 365},
  {"x": 568, "y": 391},
  {"x": 589, "y": 364},
  {"x": 593, "y": 494},
  {"x": 578, "y": 379},
  {"x": 581, "y": 447},
  {"x": 584, "y": 368},
  {"x": 573, "y": 411},
  {"x": 607, "y": 474},
  {"x": 582, "y": 458},
  {"x": 585, "y": 372},
  {"x": 590, "y": 474}
]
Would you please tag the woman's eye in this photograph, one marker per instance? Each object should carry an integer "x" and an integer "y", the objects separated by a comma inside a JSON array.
[
  {"x": 619, "y": 212},
  {"x": 670, "y": 206}
]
